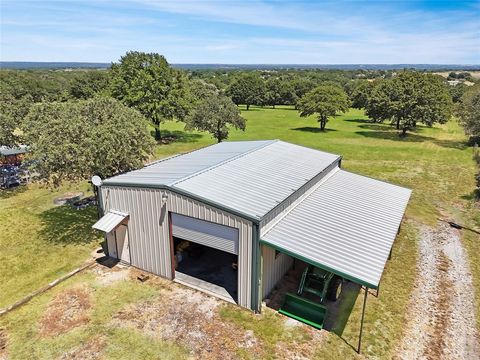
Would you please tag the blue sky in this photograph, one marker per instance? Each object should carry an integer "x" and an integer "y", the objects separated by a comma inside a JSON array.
[{"x": 249, "y": 32}]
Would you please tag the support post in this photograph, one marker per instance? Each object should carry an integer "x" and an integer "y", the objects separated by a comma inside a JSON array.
[{"x": 361, "y": 324}]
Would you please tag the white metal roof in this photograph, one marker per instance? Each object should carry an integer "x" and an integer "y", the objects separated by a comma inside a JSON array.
[
  {"x": 347, "y": 225},
  {"x": 109, "y": 221},
  {"x": 170, "y": 170},
  {"x": 251, "y": 177},
  {"x": 7, "y": 151}
]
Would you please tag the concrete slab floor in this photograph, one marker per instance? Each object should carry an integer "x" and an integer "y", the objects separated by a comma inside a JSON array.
[{"x": 211, "y": 271}]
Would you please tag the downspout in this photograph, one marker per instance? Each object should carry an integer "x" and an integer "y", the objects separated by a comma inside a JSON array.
[{"x": 256, "y": 270}]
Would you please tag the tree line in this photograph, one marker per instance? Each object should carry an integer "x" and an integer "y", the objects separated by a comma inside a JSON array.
[{"x": 79, "y": 123}]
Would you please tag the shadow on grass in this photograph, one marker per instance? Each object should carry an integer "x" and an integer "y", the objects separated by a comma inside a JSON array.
[
  {"x": 362, "y": 121},
  {"x": 474, "y": 195},
  {"x": 339, "y": 311},
  {"x": 389, "y": 132},
  {"x": 63, "y": 225},
  {"x": 177, "y": 136},
  {"x": 8, "y": 193},
  {"x": 393, "y": 135},
  {"x": 313, "y": 129},
  {"x": 383, "y": 132}
]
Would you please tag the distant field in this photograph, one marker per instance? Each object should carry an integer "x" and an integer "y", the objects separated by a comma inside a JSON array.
[
  {"x": 434, "y": 162},
  {"x": 474, "y": 73}
]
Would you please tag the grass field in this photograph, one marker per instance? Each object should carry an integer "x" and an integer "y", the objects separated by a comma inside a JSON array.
[
  {"x": 40, "y": 241},
  {"x": 434, "y": 162}
]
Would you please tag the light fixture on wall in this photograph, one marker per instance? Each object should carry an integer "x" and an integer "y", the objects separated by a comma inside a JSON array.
[{"x": 164, "y": 198}]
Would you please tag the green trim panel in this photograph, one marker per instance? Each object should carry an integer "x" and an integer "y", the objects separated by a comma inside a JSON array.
[
  {"x": 255, "y": 268},
  {"x": 255, "y": 220},
  {"x": 321, "y": 266}
]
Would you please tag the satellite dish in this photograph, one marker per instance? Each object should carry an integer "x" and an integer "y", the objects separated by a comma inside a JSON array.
[{"x": 96, "y": 180}]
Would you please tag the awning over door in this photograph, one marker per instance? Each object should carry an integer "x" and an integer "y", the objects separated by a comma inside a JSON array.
[
  {"x": 205, "y": 233},
  {"x": 347, "y": 226},
  {"x": 110, "y": 221}
]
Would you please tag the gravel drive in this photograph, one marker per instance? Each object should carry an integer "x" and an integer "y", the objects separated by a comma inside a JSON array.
[{"x": 441, "y": 319}]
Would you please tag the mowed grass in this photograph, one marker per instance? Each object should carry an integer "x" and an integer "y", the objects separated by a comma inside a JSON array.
[
  {"x": 43, "y": 241},
  {"x": 435, "y": 162},
  {"x": 40, "y": 241}
]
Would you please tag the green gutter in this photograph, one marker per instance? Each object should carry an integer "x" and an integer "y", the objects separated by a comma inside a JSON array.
[
  {"x": 256, "y": 270},
  {"x": 321, "y": 266},
  {"x": 241, "y": 214}
]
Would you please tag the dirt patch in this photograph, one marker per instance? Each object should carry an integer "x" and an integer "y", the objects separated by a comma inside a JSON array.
[
  {"x": 91, "y": 350},
  {"x": 3, "y": 344},
  {"x": 190, "y": 318},
  {"x": 442, "y": 311},
  {"x": 67, "y": 310}
]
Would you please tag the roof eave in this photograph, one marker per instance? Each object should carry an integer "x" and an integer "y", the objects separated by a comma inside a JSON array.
[
  {"x": 321, "y": 266},
  {"x": 254, "y": 219}
]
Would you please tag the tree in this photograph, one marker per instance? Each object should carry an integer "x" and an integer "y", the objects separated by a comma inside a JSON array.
[
  {"x": 147, "y": 83},
  {"x": 12, "y": 113},
  {"x": 87, "y": 84},
  {"x": 273, "y": 95},
  {"x": 457, "y": 91},
  {"x": 215, "y": 114},
  {"x": 360, "y": 94},
  {"x": 301, "y": 86},
  {"x": 410, "y": 98},
  {"x": 468, "y": 110},
  {"x": 72, "y": 141},
  {"x": 247, "y": 89},
  {"x": 325, "y": 101}
]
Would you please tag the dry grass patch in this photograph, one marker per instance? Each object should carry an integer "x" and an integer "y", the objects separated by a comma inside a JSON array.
[
  {"x": 91, "y": 350},
  {"x": 68, "y": 310},
  {"x": 3, "y": 344},
  {"x": 436, "y": 344},
  {"x": 189, "y": 318}
]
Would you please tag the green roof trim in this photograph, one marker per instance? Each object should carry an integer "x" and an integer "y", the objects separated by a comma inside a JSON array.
[
  {"x": 321, "y": 266},
  {"x": 255, "y": 220}
]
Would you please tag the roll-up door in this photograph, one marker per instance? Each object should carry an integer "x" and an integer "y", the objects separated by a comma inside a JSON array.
[{"x": 205, "y": 233}]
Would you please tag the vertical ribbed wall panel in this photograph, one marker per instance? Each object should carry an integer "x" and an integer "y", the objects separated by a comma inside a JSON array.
[
  {"x": 149, "y": 232},
  {"x": 273, "y": 269}
]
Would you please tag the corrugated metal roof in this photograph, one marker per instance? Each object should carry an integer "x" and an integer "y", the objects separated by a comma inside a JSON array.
[
  {"x": 347, "y": 225},
  {"x": 109, "y": 221},
  {"x": 173, "y": 169},
  {"x": 7, "y": 151},
  {"x": 257, "y": 182},
  {"x": 251, "y": 177}
]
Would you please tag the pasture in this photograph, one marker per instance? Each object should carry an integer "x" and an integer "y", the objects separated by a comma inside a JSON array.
[{"x": 40, "y": 242}]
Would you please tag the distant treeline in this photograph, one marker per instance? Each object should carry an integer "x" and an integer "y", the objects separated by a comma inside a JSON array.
[{"x": 95, "y": 65}]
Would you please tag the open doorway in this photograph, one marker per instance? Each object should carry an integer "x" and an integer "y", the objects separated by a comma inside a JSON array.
[
  {"x": 209, "y": 269},
  {"x": 205, "y": 256}
]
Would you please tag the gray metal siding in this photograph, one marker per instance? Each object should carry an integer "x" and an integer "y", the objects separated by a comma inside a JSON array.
[
  {"x": 149, "y": 232},
  {"x": 273, "y": 268}
]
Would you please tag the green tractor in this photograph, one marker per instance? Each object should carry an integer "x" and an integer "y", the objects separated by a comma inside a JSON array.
[{"x": 320, "y": 283}]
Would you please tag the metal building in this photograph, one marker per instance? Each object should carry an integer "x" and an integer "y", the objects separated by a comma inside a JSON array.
[{"x": 244, "y": 210}]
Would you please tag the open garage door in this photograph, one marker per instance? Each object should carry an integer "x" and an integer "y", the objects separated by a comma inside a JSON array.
[{"x": 205, "y": 233}]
